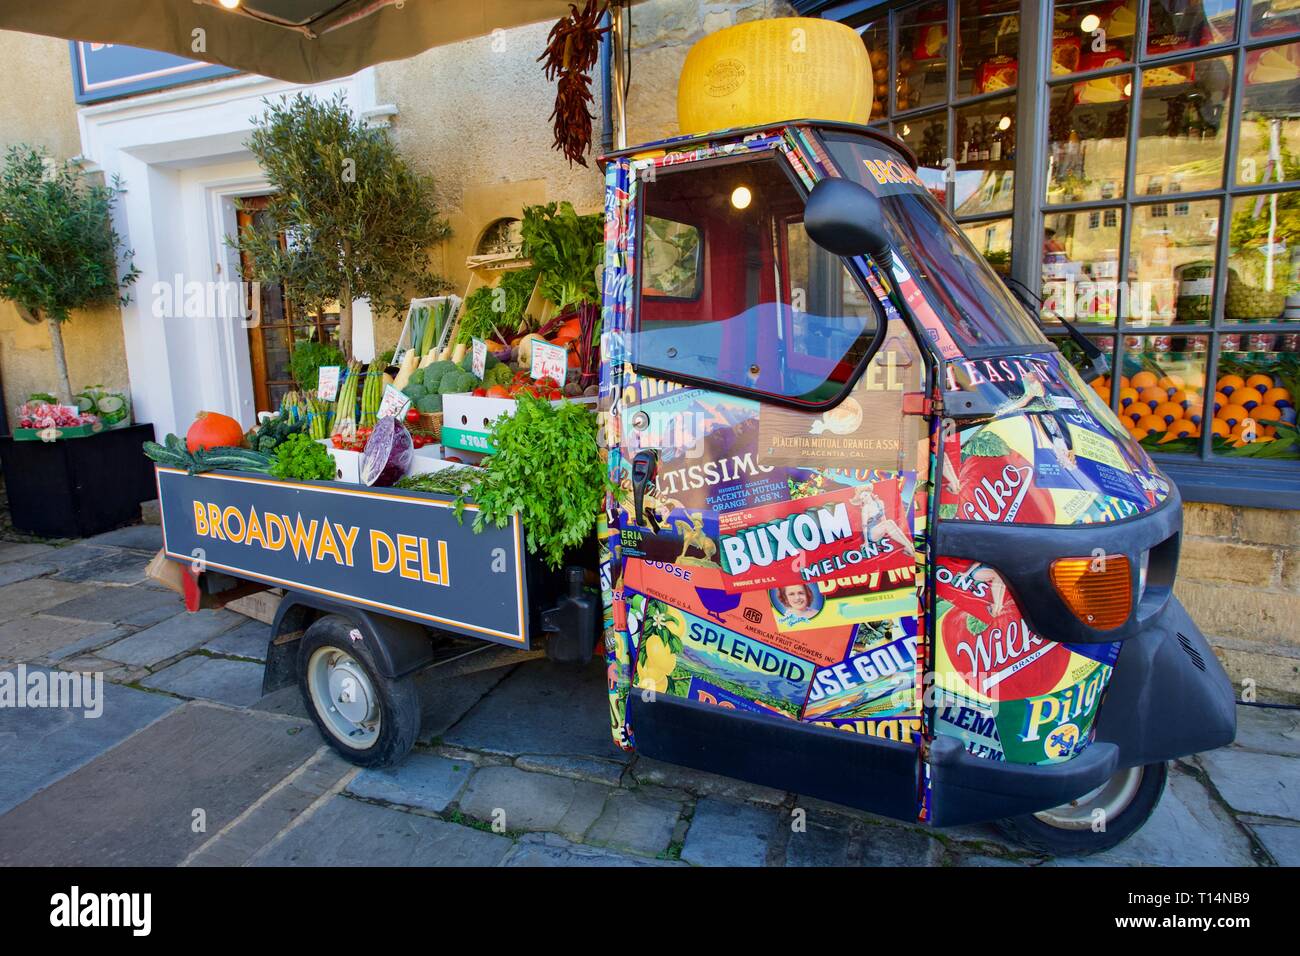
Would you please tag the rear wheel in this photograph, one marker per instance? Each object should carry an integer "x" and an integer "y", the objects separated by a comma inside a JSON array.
[
  {"x": 370, "y": 720},
  {"x": 1122, "y": 805}
]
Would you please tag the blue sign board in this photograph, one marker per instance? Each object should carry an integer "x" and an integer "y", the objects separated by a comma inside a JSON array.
[
  {"x": 103, "y": 71},
  {"x": 397, "y": 552}
]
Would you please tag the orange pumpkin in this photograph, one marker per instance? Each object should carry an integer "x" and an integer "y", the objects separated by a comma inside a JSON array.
[{"x": 213, "y": 430}]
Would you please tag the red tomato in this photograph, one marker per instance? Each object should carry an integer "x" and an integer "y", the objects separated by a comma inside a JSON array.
[
  {"x": 498, "y": 391},
  {"x": 453, "y": 458},
  {"x": 412, "y": 416}
]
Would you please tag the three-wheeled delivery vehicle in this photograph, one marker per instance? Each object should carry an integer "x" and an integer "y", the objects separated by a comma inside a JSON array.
[{"x": 874, "y": 540}]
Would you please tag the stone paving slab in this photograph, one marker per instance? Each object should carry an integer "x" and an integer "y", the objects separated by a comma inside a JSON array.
[
  {"x": 237, "y": 683},
  {"x": 1282, "y": 842},
  {"x": 1254, "y": 782},
  {"x": 140, "y": 537},
  {"x": 176, "y": 635},
  {"x": 421, "y": 780},
  {"x": 1269, "y": 730},
  {"x": 542, "y": 709},
  {"x": 137, "y": 606},
  {"x": 133, "y": 806},
  {"x": 726, "y": 833},
  {"x": 636, "y": 821},
  {"x": 38, "y": 594},
  {"x": 275, "y": 812},
  {"x": 73, "y": 554},
  {"x": 608, "y": 772},
  {"x": 111, "y": 567},
  {"x": 547, "y": 849},
  {"x": 347, "y": 833},
  {"x": 90, "y": 642},
  {"x": 533, "y": 801},
  {"x": 1188, "y": 828},
  {"x": 16, "y": 571},
  {"x": 29, "y": 551},
  {"x": 247, "y": 640},
  {"x": 40, "y": 745},
  {"x": 34, "y": 637},
  {"x": 703, "y": 783},
  {"x": 446, "y": 699}
]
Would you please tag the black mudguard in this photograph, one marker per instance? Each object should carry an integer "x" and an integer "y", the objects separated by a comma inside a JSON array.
[
  {"x": 398, "y": 647},
  {"x": 1169, "y": 695}
]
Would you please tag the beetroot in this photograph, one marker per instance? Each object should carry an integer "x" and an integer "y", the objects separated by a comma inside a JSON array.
[{"x": 388, "y": 453}]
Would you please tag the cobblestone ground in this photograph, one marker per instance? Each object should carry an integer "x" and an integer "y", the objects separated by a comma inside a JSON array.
[{"x": 190, "y": 765}]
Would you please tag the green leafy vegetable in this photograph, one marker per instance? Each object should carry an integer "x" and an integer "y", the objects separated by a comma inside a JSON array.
[
  {"x": 306, "y": 360},
  {"x": 567, "y": 248},
  {"x": 299, "y": 457}
]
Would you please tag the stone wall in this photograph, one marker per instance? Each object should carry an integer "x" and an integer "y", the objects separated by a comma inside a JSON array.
[{"x": 1239, "y": 578}]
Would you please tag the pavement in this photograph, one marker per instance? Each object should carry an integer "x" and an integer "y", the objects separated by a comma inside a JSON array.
[{"x": 187, "y": 764}]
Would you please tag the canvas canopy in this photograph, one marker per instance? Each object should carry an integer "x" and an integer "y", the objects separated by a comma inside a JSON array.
[{"x": 301, "y": 41}]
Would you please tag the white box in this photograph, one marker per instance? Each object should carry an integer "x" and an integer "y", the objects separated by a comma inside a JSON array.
[
  {"x": 347, "y": 464},
  {"x": 467, "y": 419}
]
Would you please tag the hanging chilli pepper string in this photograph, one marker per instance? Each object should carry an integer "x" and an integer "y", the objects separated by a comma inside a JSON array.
[{"x": 572, "y": 50}]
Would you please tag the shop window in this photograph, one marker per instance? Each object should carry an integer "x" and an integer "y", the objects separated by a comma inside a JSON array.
[
  {"x": 922, "y": 57},
  {"x": 988, "y": 47},
  {"x": 1257, "y": 376},
  {"x": 1081, "y": 267},
  {"x": 1087, "y": 138},
  {"x": 1264, "y": 258},
  {"x": 1274, "y": 17},
  {"x": 771, "y": 313},
  {"x": 1171, "y": 264},
  {"x": 927, "y": 137},
  {"x": 1183, "y": 127},
  {"x": 1161, "y": 397},
  {"x": 984, "y": 171},
  {"x": 875, "y": 36},
  {"x": 992, "y": 239},
  {"x": 1092, "y": 34},
  {"x": 1175, "y": 26},
  {"x": 1270, "y": 120}
]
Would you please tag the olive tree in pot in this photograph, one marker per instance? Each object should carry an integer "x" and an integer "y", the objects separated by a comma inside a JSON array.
[
  {"x": 348, "y": 219},
  {"x": 59, "y": 251}
]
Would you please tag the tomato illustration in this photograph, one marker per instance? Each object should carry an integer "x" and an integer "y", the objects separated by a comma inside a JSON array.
[
  {"x": 1001, "y": 487},
  {"x": 1005, "y": 660}
]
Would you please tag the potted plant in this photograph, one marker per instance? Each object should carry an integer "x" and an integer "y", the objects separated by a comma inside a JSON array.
[
  {"x": 348, "y": 219},
  {"x": 59, "y": 254}
]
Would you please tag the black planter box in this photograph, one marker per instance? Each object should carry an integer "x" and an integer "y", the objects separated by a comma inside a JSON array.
[{"x": 78, "y": 487}]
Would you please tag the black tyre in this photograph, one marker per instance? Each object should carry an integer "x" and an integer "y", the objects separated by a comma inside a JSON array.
[
  {"x": 1127, "y": 800},
  {"x": 372, "y": 721}
]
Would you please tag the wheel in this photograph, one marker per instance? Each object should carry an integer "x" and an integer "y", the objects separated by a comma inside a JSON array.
[
  {"x": 1127, "y": 799},
  {"x": 372, "y": 721}
]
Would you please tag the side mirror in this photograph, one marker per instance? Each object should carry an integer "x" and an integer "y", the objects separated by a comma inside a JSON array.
[{"x": 845, "y": 218}]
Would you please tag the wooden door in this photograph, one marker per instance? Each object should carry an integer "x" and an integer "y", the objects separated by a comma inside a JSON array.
[{"x": 282, "y": 326}]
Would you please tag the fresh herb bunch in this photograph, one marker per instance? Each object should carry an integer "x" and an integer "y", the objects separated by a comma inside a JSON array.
[
  {"x": 486, "y": 312},
  {"x": 548, "y": 470},
  {"x": 306, "y": 360},
  {"x": 299, "y": 457},
  {"x": 271, "y": 433},
  {"x": 444, "y": 481},
  {"x": 567, "y": 248}
]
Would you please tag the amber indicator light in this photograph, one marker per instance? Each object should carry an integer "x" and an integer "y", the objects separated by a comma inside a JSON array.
[{"x": 1097, "y": 589}]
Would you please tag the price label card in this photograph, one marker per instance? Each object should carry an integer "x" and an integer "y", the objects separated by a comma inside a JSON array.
[
  {"x": 480, "y": 358},
  {"x": 327, "y": 386},
  {"x": 549, "y": 360},
  {"x": 394, "y": 403}
]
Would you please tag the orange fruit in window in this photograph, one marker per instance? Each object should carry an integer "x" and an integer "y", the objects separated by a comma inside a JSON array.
[
  {"x": 1220, "y": 428},
  {"x": 1278, "y": 396},
  {"x": 1171, "y": 383},
  {"x": 1153, "y": 396},
  {"x": 1220, "y": 400},
  {"x": 1143, "y": 380},
  {"x": 1127, "y": 397},
  {"x": 1169, "y": 412},
  {"x": 1124, "y": 382},
  {"x": 1260, "y": 383},
  {"x": 1232, "y": 414},
  {"x": 1136, "y": 412},
  {"x": 1178, "y": 430},
  {"x": 1138, "y": 433},
  {"x": 1230, "y": 383},
  {"x": 1152, "y": 423}
]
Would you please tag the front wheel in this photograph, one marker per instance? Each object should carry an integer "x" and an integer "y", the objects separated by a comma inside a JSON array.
[
  {"x": 372, "y": 721},
  {"x": 1097, "y": 821}
]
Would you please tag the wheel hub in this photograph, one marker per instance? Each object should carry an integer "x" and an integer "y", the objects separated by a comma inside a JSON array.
[
  {"x": 344, "y": 696},
  {"x": 349, "y": 692}
]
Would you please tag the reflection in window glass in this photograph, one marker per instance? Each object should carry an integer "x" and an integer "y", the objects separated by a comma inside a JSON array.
[
  {"x": 988, "y": 45},
  {"x": 1264, "y": 258},
  {"x": 1081, "y": 266},
  {"x": 985, "y": 162},
  {"x": 1090, "y": 34},
  {"x": 1162, "y": 391},
  {"x": 775, "y": 313},
  {"x": 993, "y": 241},
  {"x": 1172, "y": 253},
  {"x": 670, "y": 259},
  {"x": 1274, "y": 17},
  {"x": 1177, "y": 25},
  {"x": 1184, "y": 126},
  {"x": 1087, "y": 140},
  {"x": 1270, "y": 123},
  {"x": 1254, "y": 397},
  {"x": 922, "y": 57},
  {"x": 875, "y": 36},
  {"x": 927, "y": 137}
]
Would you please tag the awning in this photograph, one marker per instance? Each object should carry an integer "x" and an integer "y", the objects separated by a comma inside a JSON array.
[{"x": 301, "y": 41}]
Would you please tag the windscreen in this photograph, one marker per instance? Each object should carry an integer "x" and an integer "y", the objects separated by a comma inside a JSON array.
[
  {"x": 978, "y": 310},
  {"x": 733, "y": 292}
]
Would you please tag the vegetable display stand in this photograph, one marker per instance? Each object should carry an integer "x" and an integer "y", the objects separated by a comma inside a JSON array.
[{"x": 76, "y": 488}]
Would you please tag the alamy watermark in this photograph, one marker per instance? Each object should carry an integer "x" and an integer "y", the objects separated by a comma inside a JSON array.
[{"x": 74, "y": 690}]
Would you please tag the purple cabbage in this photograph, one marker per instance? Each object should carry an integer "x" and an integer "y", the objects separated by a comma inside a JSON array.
[{"x": 388, "y": 453}]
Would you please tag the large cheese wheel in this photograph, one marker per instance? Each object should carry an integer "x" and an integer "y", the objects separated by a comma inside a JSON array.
[{"x": 767, "y": 71}]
